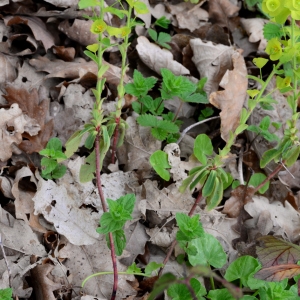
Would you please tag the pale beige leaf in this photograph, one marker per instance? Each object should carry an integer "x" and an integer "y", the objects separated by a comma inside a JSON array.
[
  {"x": 254, "y": 28},
  {"x": 212, "y": 61},
  {"x": 231, "y": 100},
  {"x": 156, "y": 58}
]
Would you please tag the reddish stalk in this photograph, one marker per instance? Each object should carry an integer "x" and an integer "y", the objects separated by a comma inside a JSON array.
[
  {"x": 115, "y": 141},
  {"x": 192, "y": 210},
  {"x": 104, "y": 207},
  {"x": 270, "y": 176}
]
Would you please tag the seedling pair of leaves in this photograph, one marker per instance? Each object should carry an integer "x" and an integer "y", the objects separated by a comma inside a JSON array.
[
  {"x": 113, "y": 221},
  {"x": 161, "y": 38},
  {"x": 211, "y": 176},
  {"x": 50, "y": 163}
]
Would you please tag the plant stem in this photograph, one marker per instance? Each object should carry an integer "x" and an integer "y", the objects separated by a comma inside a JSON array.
[
  {"x": 174, "y": 243},
  {"x": 104, "y": 208},
  {"x": 178, "y": 110},
  {"x": 270, "y": 176}
]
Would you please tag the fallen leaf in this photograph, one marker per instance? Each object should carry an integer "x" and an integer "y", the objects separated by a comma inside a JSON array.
[
  {"x": 156, "y": 58},
  {"x": 254, "y": 28},
  {"x": 30, "y": 103},
  {"x": 212, "y": 61},
  {"x": 278, "y": 273},
  {"x": 291, "y": 178},
  {"x": 232, "y": 99},
  {"x": 38, "y": 28},
  {"x": 286, "y": 220},
  {"x": 8, "y": 69}
]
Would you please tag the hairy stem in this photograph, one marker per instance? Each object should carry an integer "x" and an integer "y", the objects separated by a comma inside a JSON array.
[
  {"x": 174, "y": 243},
  {"x": 104, "y": 208}
]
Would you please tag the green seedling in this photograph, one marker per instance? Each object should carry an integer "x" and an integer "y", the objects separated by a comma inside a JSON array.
[
  {"x": 161, "y": 38},
  {"x": 50, "y": 163},
  {"x": 6, "y": 294}
]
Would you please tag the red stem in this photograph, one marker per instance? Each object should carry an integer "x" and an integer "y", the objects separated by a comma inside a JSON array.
[
  {"x": 115, "y": 141},
  {"x": 270, "y": 176},
  {"x": 104, "y": 208},
  {"x": 199, "y": 197}
]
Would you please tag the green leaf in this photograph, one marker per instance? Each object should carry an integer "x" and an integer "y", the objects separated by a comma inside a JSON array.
[
  {"x": 241, "y": 269},
  {"x": 272, "y": 30},
  {"x": 189, "y": 227},
  {"x": 159, "y": 162},
  {"x": 223, "y": 294},
  {"x": 82, "y": 4},
  {"x": 59, "y": 171},
  {"x": 265, "y": 123},
  {"x": 133, "y": 269},
  {"x": 153, "y": 34},
  {"x": 140, "y": 7},
  {"x": 151, "y": 267},
  {"x": 196, "y": 98},
  {"x": 209, "y": 251},
  {"x": 6, "y": 294},
  {"x": 162, "y": 284},
  {"x": 260, "y": 62},
  {"x": 119, "y": 241},
  {"x": 109, "y": 224},
  {"x": 87, "y": 170},
  {"x": 268, "y": 156},
  {"x": 256, "y": 179},
  {"x": 91, "y": 55},
  {"x": 162, "y": 22},
  {"x": 215, "y": 198},
  {"x": 241, "y": 128},
  {"x": 73, "y": 143},
  {"x": 164, "y": 38},
  {"x": 202, "y": 148},
  {"x": 209, "y": 184},
  {"x": 291, "y": 155},
  {"x": 49, "y": 163},
  {"x": 55, "y": 144},
  {"x": 159, "y": 133}
]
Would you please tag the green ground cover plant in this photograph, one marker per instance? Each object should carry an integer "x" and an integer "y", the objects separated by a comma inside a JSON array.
[{"x": 202, "y": 251}]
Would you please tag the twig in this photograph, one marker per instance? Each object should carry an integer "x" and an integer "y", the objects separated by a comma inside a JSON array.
[
  {"x": 270, "y": 176},
  {"x": 240, "y": 166},
  {"x": 183, "y": 133},
  {"x": 6, "y": 262},
  {"x": 104, "y": 208}
]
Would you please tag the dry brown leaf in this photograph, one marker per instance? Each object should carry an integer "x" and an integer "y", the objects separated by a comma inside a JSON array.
[
  {"x": 43, "y": 286},
  {"x": 188, "y": 15},
  {"x": 285, "y": 219},
  {"x": 38, "y": 28},
  {"x": 232, "y": 99},
  {"x": 139, "y": 144},
  {"x": 30, "y": 103},
  {"x": 17, "y": 235},
  {"x": 75, "y": 69},
  {"x": 79, "y": 31},
  {"x": 254, "y": 28},
  {"x": 8, "y": 70},
  {"x": 84, "y": 261},
  {"x": 291, "y": 178},
  {"x": 61, "y": 208},
  {"x": 12, "y": 126},
  {"x": 212, "y": 61},
  {"x": 221, "y": 10},
  {"x": 24, "y": 205},
  {"x": 65, "y": 53},
  {"x": 156, "y": 58}
]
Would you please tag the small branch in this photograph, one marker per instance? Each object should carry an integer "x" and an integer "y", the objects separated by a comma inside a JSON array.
[
  {"x": 183, "y": 133},
  {"x": 104, "y": 208},
  {"x": 270, "y": 176},
  {"x": 240, "y": 166},
  {"x": 174, "y": 243},
  {"x": 115, "y": 141}
]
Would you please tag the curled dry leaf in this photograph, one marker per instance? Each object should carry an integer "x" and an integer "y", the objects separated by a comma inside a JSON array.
[
  {"x": 254, "y": 28},
  {"x": 30, "y": 103},
  {"x": 212, "y": 61},
  {"x": 232, "y": 99},
  {"x": 286, "y": 220},
  {"x": 79, "y": 31},
  {"x": 38, "y": 28},
  {"x": 8, "y": 70},
  {"x": 59, "y": 207},
  {"x": 156, "y": 58},
  {"x": 188, "y": 15},
  {"x": 12, "y": 125}
]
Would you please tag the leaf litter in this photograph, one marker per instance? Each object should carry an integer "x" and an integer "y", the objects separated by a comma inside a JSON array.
[{"x": 45, "y": 88}]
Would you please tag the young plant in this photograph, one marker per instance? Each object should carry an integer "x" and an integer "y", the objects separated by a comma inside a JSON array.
[
  {"x": 50, "y": 163},
  {"x": 163, "y": 126}
]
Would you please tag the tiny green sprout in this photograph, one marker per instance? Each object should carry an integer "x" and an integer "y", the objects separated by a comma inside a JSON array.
[
  {"x": 260, "y": 62},
  {"x": 50, "y": 163}
]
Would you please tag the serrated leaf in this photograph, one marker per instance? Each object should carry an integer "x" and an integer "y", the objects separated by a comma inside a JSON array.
[
  {"x": 49, "y": 163},
  {"x": 109, "y": 224},
  {"x": 159, "y": 133},
  {"x": 59, "y": 171},
  {"x": 202, "y": 148},
  {"x": 119, "y": 241},
  {"x": 272, "y": 30}
]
